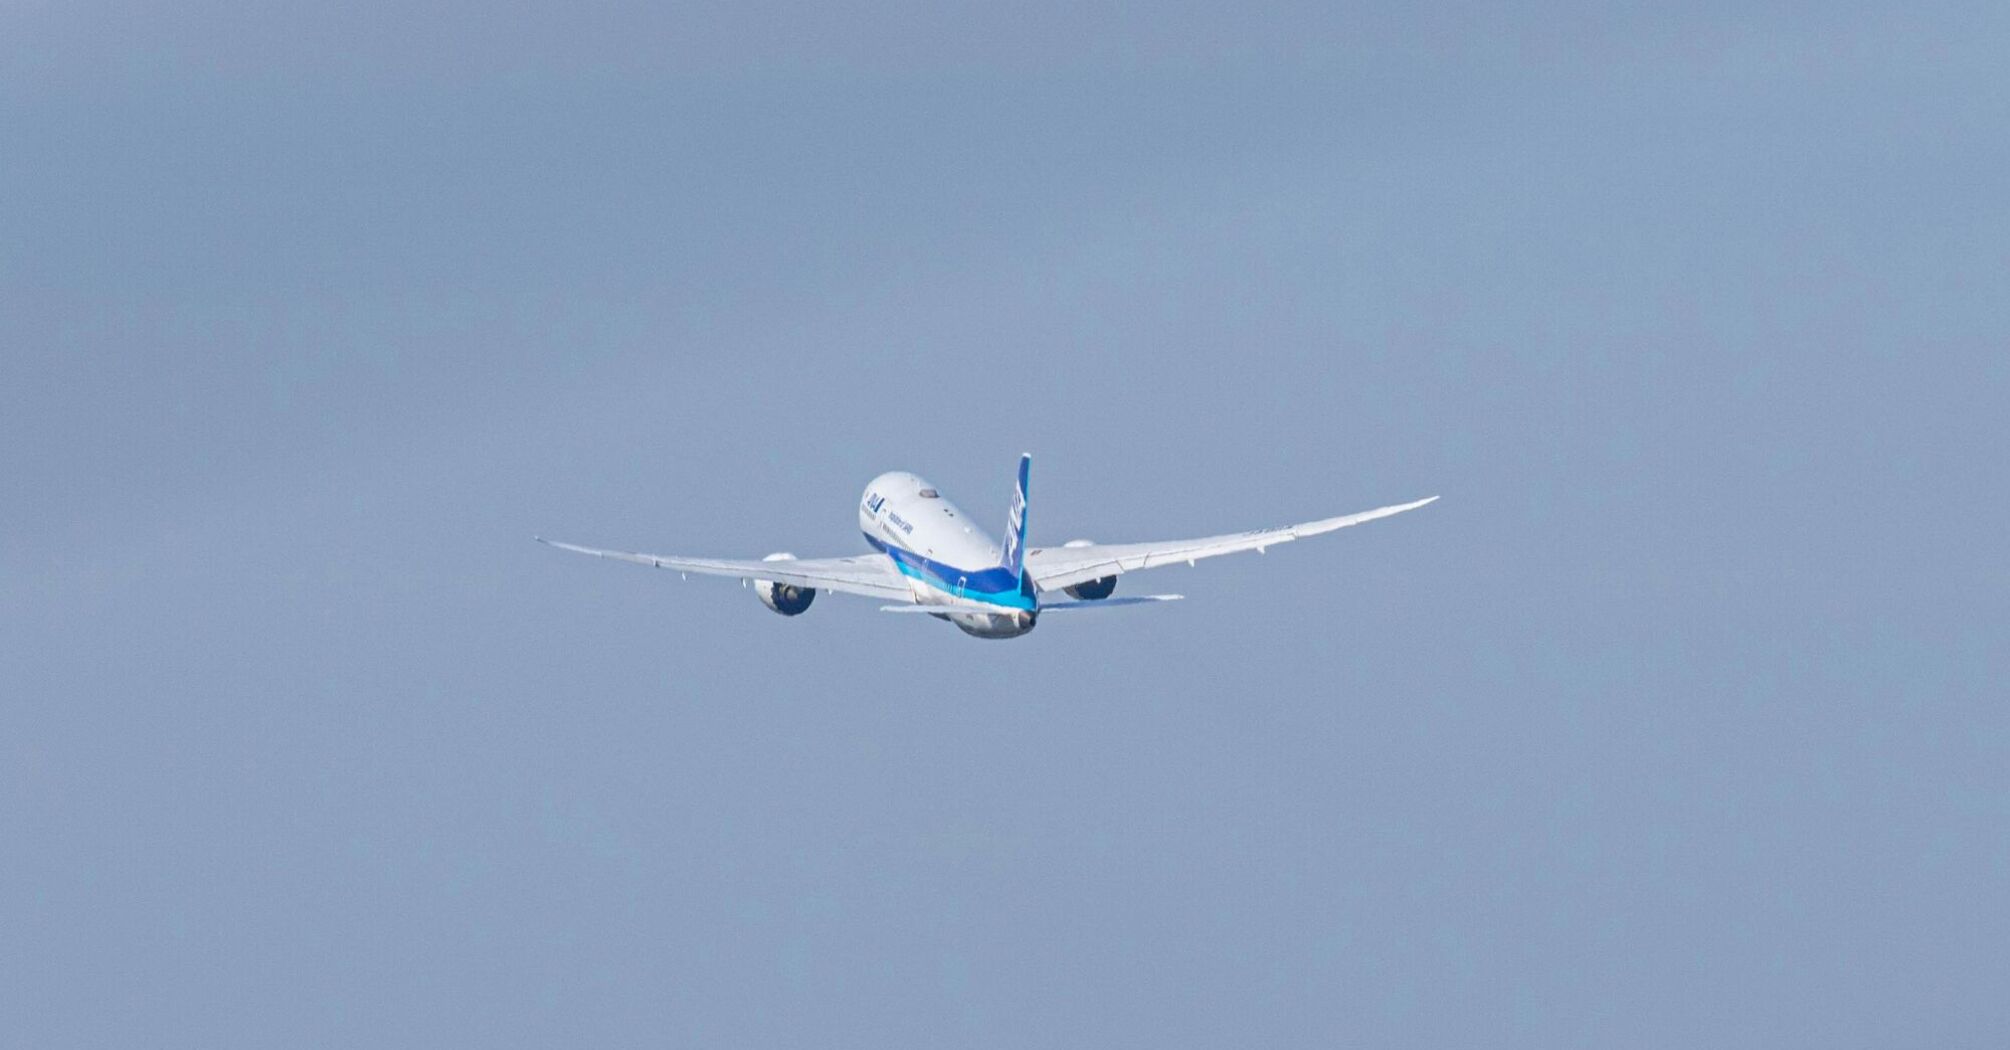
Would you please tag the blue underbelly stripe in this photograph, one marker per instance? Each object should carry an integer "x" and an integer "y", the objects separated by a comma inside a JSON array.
[{"x": 993, "y": 586}]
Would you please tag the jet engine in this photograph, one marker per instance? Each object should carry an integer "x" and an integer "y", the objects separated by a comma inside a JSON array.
[
  {"x": 1093, "y": 590},
  {"x": 1090, "y": 590},
  {"x": 785, "y": 598}
]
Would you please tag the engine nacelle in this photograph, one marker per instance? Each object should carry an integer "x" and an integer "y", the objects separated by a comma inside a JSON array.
[
  {"x": 785, "y": 598},
  {"x": 1093, "y": 590}
]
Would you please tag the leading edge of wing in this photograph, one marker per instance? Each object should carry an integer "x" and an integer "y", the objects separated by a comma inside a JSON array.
[
  {"x": 870, "y": 575},
  {"x": 1314, "y": 528}
]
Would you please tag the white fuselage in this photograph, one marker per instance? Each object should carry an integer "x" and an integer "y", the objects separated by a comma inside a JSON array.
[{"x": 945, "y": 557}]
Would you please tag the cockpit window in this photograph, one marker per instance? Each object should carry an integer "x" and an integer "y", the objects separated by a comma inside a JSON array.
[{"x": 930, "y": 494}]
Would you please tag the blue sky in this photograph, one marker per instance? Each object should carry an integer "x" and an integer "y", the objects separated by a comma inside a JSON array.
[{"x": 1678, "y": 720}]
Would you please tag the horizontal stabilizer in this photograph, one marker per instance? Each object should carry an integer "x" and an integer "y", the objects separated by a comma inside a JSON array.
[{"x": 1104, "y": 603}]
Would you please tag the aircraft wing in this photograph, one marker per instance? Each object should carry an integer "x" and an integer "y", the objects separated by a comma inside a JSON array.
[
  {"x": 871, "y": 575},
  {"x": 1057, "y": 567}
]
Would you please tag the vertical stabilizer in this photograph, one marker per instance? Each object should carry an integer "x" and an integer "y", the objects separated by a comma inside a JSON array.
[{"x": 1014, "y": 554}]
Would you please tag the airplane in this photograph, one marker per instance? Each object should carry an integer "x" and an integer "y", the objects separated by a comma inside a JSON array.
[{"x": 929, "y": 557}]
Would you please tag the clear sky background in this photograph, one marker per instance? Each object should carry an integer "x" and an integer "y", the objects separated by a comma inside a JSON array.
[{"x": 1680, "y": 721}]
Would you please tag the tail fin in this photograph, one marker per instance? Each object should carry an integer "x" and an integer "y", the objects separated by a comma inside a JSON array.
[{"x": 1014, "y": 554}]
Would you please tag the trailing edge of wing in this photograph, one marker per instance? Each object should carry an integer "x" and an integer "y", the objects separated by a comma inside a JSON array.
[
  {"x": 871, "y": 575},
  {"x": 1053, "y": 568}
]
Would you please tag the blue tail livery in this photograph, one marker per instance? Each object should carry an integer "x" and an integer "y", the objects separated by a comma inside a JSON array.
[{"x": 1014, "y": 552}]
